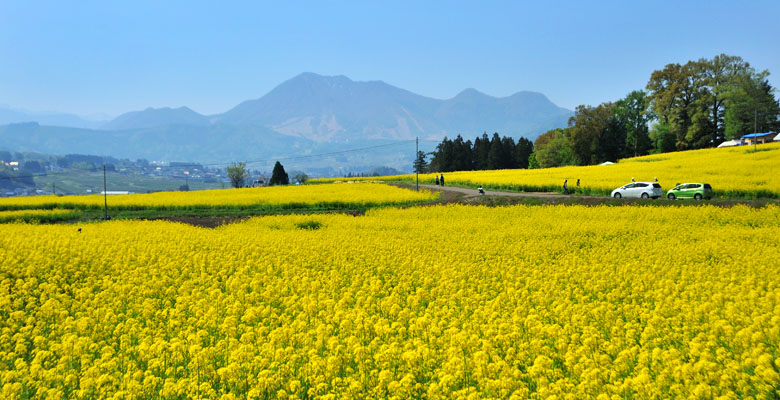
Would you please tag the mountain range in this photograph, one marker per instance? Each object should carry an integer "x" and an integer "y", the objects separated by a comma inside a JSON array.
[{"x": 307, "y": 114}]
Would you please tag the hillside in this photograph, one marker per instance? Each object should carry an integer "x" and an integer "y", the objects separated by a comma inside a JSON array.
[
  {"x": 323, "y": 108},
  {"x": 733, "y": 172},
  {"x": 156, "y": 117},
  {"x": 308, "y": 114}
]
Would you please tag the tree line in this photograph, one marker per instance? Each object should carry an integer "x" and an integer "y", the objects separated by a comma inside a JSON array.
[
  {"x": 687, "y": 106},
  {"x": 484, "y": 153}
]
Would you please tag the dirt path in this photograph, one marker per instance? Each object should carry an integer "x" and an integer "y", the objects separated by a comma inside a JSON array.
[{"x": 474, "y": 193}]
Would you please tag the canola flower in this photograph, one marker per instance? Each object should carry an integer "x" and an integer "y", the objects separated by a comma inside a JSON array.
[
  {"x": 305, "y": 196},
  {"x": 35, "y": 215},
  {"x": 732, "y": 172},
  {"x": 442, "y": 302}
]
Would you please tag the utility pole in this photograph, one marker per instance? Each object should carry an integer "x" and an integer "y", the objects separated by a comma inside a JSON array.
[
  {"x": 105, "y": 195},
  {"x": 755, "y": 130},
  {"x": 416, "y": 166}
]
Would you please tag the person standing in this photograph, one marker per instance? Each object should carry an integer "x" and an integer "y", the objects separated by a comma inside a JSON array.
[
  {"x": 441, "y": 179},
  {"x": 578, "y": 183},
  {"x": 437, "y": 180},
  {"x": 565, "y": 186}
]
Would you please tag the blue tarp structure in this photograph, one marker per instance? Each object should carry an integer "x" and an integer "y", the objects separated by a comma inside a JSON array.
[{"x": 752, "y": 135}]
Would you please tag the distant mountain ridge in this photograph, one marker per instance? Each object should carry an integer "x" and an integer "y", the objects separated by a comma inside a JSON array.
[
  {"x": 322, "y": 108},
  {"x": 305, "y": 115},
  {"x": 336, "y": 108},
  {"x": 10, "y": 115},
  {"x": 156, "y": 117}
]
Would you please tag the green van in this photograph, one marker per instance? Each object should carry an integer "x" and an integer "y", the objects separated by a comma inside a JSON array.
[{"x": 696, "y": 191}]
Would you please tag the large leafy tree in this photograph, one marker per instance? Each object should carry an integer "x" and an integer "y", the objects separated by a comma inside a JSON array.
[
  {"x": 586, "y": 128},
  {"x": 633, "y": 112},
  {"x": 706, "y": 101},
  {"x": 751, "y": 107},
  {"x": 673, "y": 93},
  {"x": 554, "y": 150}
]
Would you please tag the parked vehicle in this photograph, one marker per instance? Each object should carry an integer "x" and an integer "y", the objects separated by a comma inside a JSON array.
[
  {"x": 696, "y": 191},
  {"x": 644, "y": 190}
]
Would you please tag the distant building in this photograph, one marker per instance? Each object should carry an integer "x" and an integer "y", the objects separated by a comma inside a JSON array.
[
  {"x": 116, "y": 192},
  {"x": 759, "y": 138}
]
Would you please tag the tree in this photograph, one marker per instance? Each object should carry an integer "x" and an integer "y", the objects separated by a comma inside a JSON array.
[
  {"x": 586, "y": 128},
  {"x": 481, "y": 152},
  {"x": 420, "y": 164},
  {"x": 633, "y": 112},
  {"x": 706, "y": 101},
  {"x": 278, "y": 176},
  {"x": 751, "y": 107},
  {"x": 32, "y": 166},
  {"x": 673, "y": 93},
  {"x": 522, "y": 153},
  {"x": 612, "y": 141},
  {"x": 500, "y": 157},
  {"x": 554, "y": 150},
  {"x": 720, "y": 76},
  {"x": 300, "y": 178},
  {"x": 237, "y": 174},
  {"x": 461, "y": 155},
  {"x": 663, "y": 138},
  {"x": 441, "y": 156}
]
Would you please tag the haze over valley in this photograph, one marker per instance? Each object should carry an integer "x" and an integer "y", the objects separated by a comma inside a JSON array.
[{"x": 308, "y": 114}]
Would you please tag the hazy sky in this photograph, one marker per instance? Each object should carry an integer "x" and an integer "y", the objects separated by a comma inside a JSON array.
[{"x": 90, "y": 57}]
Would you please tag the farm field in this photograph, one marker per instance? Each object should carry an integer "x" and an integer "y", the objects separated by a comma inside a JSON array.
[
  {"x": 427, "y": 302},
  {"x": 79, "y": 182},
  {"x": 271, "y": 198},
  {"x": 36, "y": 215},
  {"x": 734, "y": 172}
]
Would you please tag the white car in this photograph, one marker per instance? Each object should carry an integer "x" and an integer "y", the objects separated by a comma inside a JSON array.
[{"x": 644, "y": 190}]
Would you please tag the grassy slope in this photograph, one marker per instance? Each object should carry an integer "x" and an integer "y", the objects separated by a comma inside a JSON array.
[
  {"x": 78, "y": 183},
  {"x": 735, "y": 173}
]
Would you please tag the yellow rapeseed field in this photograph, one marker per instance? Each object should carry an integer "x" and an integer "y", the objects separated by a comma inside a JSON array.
[
  {"x": 549, "y": 302},
  {"x": 27, "y": 215},
  {"x": 364, "y": 194},
  {"x": 732, "y": 172}
]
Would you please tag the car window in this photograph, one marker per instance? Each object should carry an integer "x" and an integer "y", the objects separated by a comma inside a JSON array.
[
  {"x": 656, "y": 185},
  {"x": 629, "y": 186},
  {"x": 641, "y": 185},
  {"x": 695, "y": 186},
  {"x": 687, "y": 186},
  {"x": 707, "y": 186}
]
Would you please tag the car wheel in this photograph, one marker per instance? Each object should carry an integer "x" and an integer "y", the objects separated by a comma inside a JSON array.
[
  {"x": 697, "y": 196},
  {"x": 645, "y": 196},
  {"x": 617, "y": 195},
  {"x": 671, "y": 196}
]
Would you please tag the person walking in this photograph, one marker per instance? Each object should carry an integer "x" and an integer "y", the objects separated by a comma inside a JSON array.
[
  {"x": 566, "y": 186},
  {"x": 578, "y": 183},
  {"x": 442, "y": 179}
]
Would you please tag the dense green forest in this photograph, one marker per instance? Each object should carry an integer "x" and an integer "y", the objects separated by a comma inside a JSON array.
[{"x": 687, "y": 106}]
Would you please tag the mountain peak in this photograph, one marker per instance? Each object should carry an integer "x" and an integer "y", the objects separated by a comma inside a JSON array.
[
  {"x": 155, "y": 117},
  {"x": 470, "y": 93}
]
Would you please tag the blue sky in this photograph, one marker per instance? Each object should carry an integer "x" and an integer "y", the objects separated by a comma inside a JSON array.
[{"x": 90, "y": 57}]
